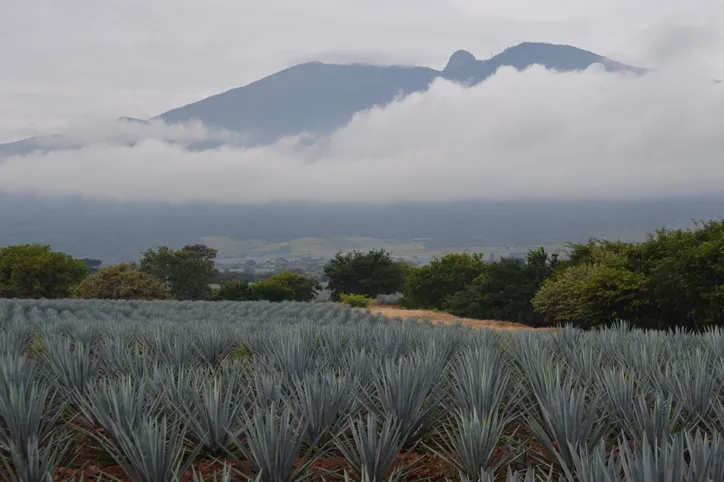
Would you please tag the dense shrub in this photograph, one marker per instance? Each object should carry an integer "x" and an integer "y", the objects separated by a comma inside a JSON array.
[
  {"x": 35, "y": 271},
  {"x": 233, "y": 291},
  {"x": 355, "y": 301},
  {"x": 270, "y": 291},
  {"x": 392, "y": 299},
  {"x": 673, "y": 278},
  {"x": 304, "y": 288},
  {"x": 121, "y": 282}
]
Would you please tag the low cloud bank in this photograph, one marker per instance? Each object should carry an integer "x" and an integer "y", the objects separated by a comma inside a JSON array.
[{"x": 519, "y": 135}]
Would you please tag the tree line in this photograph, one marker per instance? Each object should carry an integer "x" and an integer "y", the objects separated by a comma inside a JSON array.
[{"x": 672, "y": 278}]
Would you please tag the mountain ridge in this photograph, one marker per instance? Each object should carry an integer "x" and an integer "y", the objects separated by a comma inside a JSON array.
[{"x": 317, "y": 97}]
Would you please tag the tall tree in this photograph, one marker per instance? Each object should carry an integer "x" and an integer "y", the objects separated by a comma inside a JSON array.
[
  {"x": 186, "y": 272},
  {"x": 372, "y": 273},
  {"x": 35, "y": 271}
]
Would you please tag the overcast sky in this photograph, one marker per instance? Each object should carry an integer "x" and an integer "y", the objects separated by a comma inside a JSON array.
[
  {"x": 530, "y": 134},
  {"x": 77, "y": 61}
]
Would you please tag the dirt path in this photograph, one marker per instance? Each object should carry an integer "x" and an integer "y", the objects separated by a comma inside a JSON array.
[{"x": 446, "y": 319}]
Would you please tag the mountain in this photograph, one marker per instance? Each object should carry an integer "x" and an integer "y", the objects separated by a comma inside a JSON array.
[{"x": 319, "y": 98}]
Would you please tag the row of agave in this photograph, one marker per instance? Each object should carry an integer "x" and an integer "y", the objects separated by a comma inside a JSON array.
[{"x": 273, "y": 389}]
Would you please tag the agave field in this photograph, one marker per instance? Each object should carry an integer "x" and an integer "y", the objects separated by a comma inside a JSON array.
[{"x": 182, "y": 391}]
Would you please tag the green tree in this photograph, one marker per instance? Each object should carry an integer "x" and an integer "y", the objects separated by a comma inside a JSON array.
[
  {"x": 35, "y": 271},
  {"x": 121, "y": 282},
  {"x": 596, "y": 292},
  {"x": 270, "y": 291},
  {"x": 372, "y": 273},
  {"x": 303, "y": 287},
  {"x": 186, "y": 272},
  {"x": 236, "y": 290},
  {"x": 673, "y": 278},
  {"x": 429, "y": 286},
  {"x": 505, "y": 289}
]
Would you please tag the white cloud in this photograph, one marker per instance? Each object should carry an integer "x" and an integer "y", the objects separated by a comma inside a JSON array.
[
  {"x": 75, "y": 60},
  {"x": 531, "y": 134}
]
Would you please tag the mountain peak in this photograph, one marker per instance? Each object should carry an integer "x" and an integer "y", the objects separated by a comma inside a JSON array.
[{"x": 459, "y": 59}]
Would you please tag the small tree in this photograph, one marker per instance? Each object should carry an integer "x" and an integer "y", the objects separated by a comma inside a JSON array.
[
  {"x": 121, "y": 282},
  {"x": 186, "y": 272},
  {"x": 372, "y": 273},
  {"x": 35, "y": 271},
  {"x": 304, "y": 288}
]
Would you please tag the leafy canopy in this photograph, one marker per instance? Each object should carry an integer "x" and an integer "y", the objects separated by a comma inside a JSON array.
[
  {"x": 505, "y": 289},
  {"x": 431, "y": 285},
  {"x": 121, "y": 282},
  {"x": 304, "y": 288},
  {"x": 35, "y": 271},
  {"x": 371, "y": 274},
  {"x": 186, "y": 272}
]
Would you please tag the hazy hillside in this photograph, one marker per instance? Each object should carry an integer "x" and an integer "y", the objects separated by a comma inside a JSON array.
[{"x": 120, "y": 231}]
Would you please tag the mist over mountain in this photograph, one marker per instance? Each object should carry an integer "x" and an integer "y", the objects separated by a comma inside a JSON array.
[
  {"x": 534, "y": 143},
  {"x": 318, "y": 98}
]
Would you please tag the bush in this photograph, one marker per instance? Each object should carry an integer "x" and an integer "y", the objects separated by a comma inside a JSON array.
[
  {"x": 270, "y": 291},
  {"x": 121, "y": 282},
  {"x": 35, "y": 271},
  {"x": 392, "y": 299},
  {"x": 355, "y": 301},
  {"x": 304, "y": 288},
  {"x": 238, "y": 290}
]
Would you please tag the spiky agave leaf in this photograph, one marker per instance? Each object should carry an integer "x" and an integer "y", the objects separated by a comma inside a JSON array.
[
  {"x": 592, "y": 465},
  {"x": 154, "y": 453},
  {"x": 27, "y": 412},
  {"x": 706, "y": 455},
  {"x": 656, "y": 462},
  {"x": 619, "y": 386},
  {"x": 212, "y": 344},
  {"x": 271, "y": 441},
  {"x": 15, "y": 340},
  {"x": 409, "y": 391},
  {"x": 71, "y": 364},
  {"x": 469, "y": 442},
  {"x": 15, "y": 369},
  {"x": 371, "y": 448},
  {"x": 691, "y": 382},
  {"x": 35, "y": 461},
  {"x": 119, "y": 404},
  {"x": 322, "y": 400},
  {"x": 569, "y": 416},
  {"x": 214, "y": 409},
  {"x": 656, "y": 421},
  {"x": 228, "y": 474},
  {"x": 480, "y": 381},
  {"x": 490, "y": 476},
  {"x": 120, "y": 355}
]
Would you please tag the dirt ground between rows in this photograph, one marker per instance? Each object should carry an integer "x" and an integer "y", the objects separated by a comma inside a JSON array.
[{"x": 446, "y": 319}]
